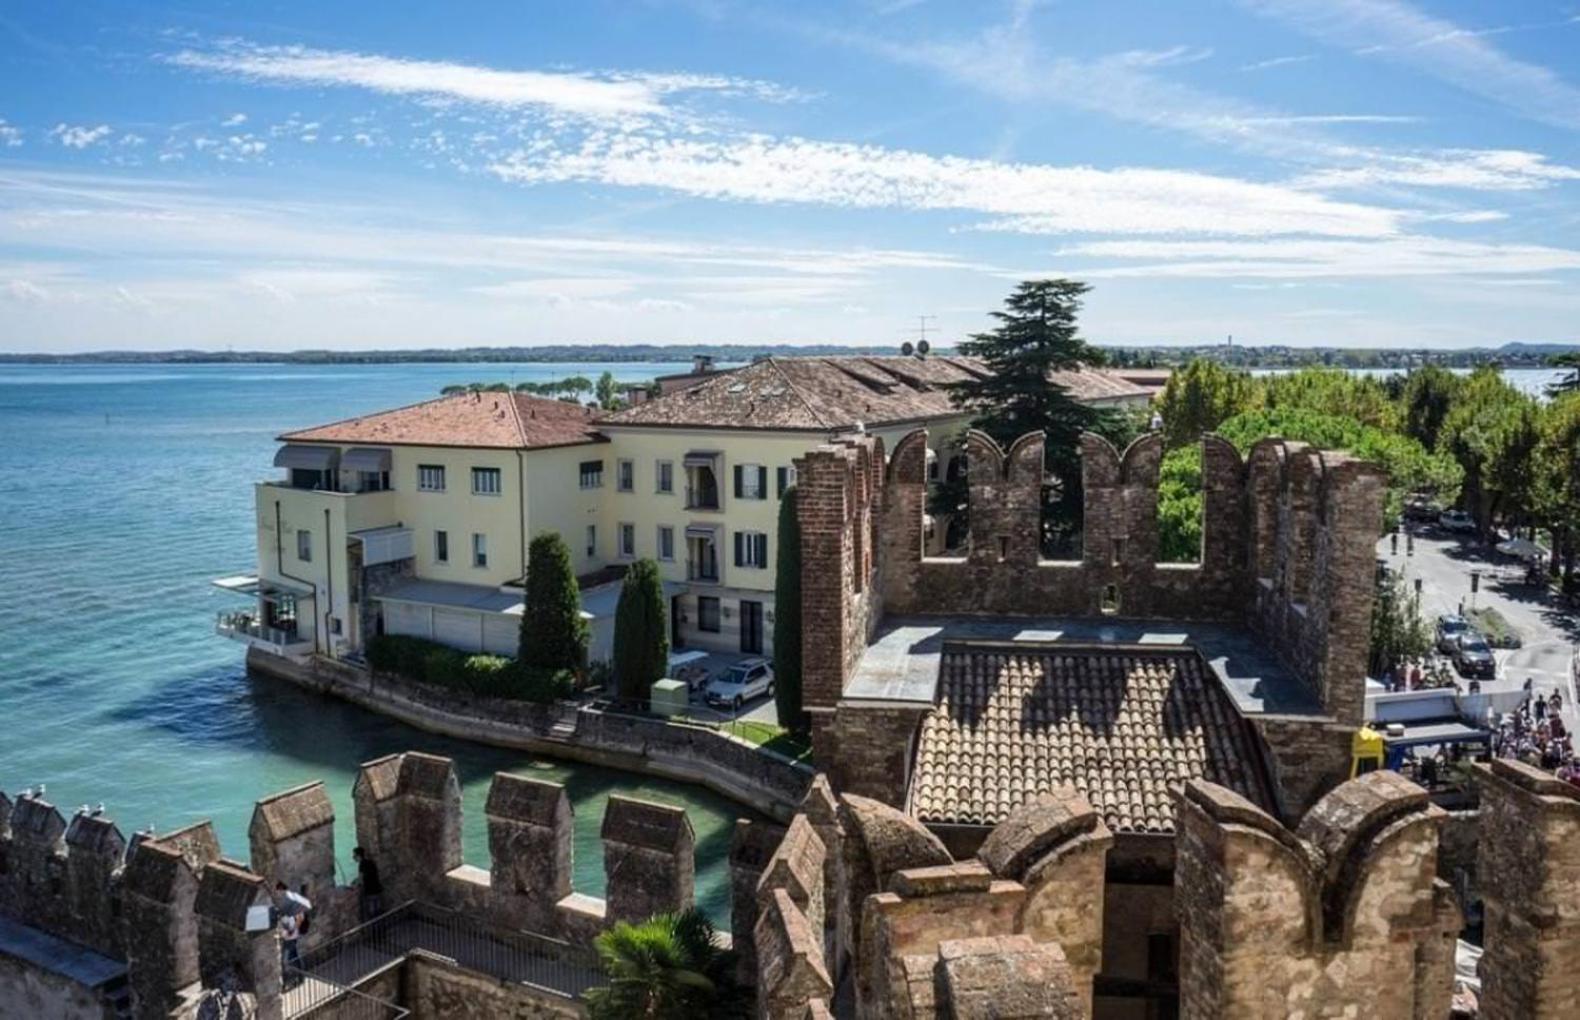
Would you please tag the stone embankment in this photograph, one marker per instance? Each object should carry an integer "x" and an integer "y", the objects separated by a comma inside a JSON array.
[{"x": 765, "y": 781}]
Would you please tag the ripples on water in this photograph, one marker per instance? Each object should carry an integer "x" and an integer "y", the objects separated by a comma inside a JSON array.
[{"x": 122, "y": 492}]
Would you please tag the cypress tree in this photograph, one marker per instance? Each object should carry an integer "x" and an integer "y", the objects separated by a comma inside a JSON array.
[
  {"x": 641, "y": 632},
  {"x": 553, "y": 633},
  {"x": 1037, "y": 334},
  {"x": 787, "y": 617}
]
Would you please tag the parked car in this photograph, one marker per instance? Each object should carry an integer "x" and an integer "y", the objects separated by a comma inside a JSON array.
[
  {"x": 747, "y": 679},
  {"x": 1456, "y": 520},
  {"x": 1449, "y": 627},
  {"x": 1422, "y": 509},
  {"x": 1473, "y": 657}
]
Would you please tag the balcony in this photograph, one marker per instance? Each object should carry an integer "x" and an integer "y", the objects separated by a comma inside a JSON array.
[
  {"x": 244, "y": 626},
  {"x": 705, "y": 570},
  {"x": 704, "y": 497}
]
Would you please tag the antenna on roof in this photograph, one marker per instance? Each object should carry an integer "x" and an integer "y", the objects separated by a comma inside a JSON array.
[{"x": 922, "y": 328}]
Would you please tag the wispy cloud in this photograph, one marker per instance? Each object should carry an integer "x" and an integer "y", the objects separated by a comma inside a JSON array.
[
  {"x": 1469, "y": 169},
  {"x": 1287, "y": 258},
  {"x": 74, "y": 136},
  {"x": 234, "y": 120},
  {"x": 610, "y": 95},
  {"x": 10, "y": 135},
  {"x": 1272, "y": 62},
  {"x": 1022, "y": 197},
  {"x": 1330, "y": 118},
  {"x": 1463, "y": 57}
]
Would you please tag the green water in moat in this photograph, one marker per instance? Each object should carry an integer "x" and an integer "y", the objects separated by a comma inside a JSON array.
[{"x": 123, "y": 491}]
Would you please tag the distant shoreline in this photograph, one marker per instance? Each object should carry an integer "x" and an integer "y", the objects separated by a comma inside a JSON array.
[{"x": 1510, "y": 355}]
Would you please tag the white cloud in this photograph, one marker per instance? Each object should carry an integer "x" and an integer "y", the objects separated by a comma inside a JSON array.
[
  {"x": 1472, "y": 169},
  {"x": 1284, "y": 258},
  {"x": 234, "y": 120},
  {"x": 131, "y": 140},
  {"x": 79, "y": 137},
  {"x": 1272, "y": 62},
  {"x": 1440, "y": 48},
  {"x": 601, "y": 96},
  {"x": 1328, "y": 118},
  {"x": 23, "y": 290},
  {"x": 10, "y": 136},
  {"x": 1029, "y": 198}
]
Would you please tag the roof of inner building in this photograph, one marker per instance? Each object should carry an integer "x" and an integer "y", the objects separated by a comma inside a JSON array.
[
  {"x": 1122, "y": 724},
  {"x": 515, "y": 421}
]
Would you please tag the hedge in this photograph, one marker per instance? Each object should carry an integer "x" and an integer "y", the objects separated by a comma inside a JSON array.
[{"x": 490, "y": 676}]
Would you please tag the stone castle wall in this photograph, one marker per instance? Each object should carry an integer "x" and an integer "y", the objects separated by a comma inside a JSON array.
[
  {"x": 1287, "y": 550},
  {"x": 173, "y": 910}
]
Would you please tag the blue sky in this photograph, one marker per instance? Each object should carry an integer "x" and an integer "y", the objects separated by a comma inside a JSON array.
[{"x": 1360, "y": 172}]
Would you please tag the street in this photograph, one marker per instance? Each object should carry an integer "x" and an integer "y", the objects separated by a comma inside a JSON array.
[{"x": 1444, "y": 562}]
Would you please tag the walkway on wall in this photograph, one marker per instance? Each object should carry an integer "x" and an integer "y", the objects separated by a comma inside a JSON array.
[{"x": 330, "y": 971}]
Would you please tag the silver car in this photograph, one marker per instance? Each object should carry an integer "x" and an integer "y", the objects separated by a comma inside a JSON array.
[{"x": 747, "y": 679}]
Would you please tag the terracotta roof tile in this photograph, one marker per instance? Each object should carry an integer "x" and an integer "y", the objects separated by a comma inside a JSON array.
[
  {"x": 828, "y": 393},
  {"x": 497, "y": 420},
  {"x": 1122, "y": 726}
]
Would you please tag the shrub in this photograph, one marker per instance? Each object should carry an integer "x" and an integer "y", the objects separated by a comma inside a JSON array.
[{"x": 487, "y": 676}]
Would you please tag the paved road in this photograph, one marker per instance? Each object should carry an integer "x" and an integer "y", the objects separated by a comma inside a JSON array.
[{"x": 1444, "y": 563}]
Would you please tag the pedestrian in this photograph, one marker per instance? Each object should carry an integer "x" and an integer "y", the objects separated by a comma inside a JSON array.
[
  {"x": 307, "y": 915},
  {"x": 370, "y": 901},
  {"x": 290, "y": 936}
]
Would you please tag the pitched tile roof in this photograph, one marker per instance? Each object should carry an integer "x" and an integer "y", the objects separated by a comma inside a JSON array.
[
  {"x": 1122, "y": 725},
  {"x": 496, "y": 420},
  {"x": 827, "y": 393}
]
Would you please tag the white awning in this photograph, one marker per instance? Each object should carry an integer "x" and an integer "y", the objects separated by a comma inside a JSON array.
[
  {"x": 385, "y": 545},
  {"x": 251, "y": 584},
  {"x": 366, "y": 458},
  {"x": 708, "y": 531},
  {"x": 701, "y": 458},
  {"x": 307, "y": 458}
]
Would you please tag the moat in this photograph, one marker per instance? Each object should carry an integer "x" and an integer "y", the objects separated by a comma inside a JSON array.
[{"x": 123, "y": 489}]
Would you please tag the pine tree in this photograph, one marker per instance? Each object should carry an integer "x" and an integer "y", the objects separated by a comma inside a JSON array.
[
  {"x": 641, "y": 632},
  {"x": 787, "y": 617},
  {"x": 1037, "y": 335},
  {"x": 553, "y": 633}
]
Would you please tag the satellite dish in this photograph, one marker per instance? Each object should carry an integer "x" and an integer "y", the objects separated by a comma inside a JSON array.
[
  {"x": 906, "y": 348},
  {"x": 922, "y": 347}
]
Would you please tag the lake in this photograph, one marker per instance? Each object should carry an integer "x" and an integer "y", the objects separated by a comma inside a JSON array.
[{"x": 123, "y": 490}]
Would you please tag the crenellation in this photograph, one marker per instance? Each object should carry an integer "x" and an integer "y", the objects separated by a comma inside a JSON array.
[
  {"x": 792, "y": 970},
  {"x": 530, "y": 828},
  {"x": 648, "y": 858},
  {"x": 94, "y": 851},
  {"x": 752, "y": 846},
  {"x": 292, "y": 839},
  {"x": 160, "y": 927},
  {"x": 228, "y": 953}
]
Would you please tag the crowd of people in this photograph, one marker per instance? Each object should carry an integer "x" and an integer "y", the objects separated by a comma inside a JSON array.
[
  {"x": 1417, "y": 676},
  {"x": 1536, "y": 735}
]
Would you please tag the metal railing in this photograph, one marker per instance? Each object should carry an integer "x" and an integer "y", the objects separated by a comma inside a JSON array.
[
  {"x": 706, "y": 498},
  {"x": 244, "y": 624},
  {"x": 701, "y": 571},
  {"x": 549, "y": 965},
  {"x": 310, "y": 996}
]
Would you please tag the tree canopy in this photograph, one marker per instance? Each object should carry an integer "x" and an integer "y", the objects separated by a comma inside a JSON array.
[
  {"x": 1200, "y": 397},
  {"x": 669, "y": 967}
]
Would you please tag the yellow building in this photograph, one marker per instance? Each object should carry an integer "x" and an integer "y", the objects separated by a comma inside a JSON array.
[{"x": 416, "y": 520}]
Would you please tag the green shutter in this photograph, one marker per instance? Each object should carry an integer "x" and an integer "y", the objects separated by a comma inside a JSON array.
[
  {"x": 739, "y": 475},
  {"x": 740, "y": 559}
]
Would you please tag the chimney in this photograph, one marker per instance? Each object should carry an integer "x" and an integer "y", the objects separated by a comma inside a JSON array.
[{"x": 701, "y": 364}]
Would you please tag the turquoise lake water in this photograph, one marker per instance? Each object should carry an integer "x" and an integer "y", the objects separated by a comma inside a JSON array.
[{"x": 123, "y": 491}]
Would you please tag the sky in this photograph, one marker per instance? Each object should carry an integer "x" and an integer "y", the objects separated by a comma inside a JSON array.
[{"x": 290, "y": 175}]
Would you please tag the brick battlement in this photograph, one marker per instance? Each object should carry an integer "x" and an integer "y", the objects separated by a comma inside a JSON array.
[{"x": 174, "y": 910}]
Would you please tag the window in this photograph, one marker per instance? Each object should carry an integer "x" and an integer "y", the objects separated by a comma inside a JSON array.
[
  {"x": 708, "y": 614},
  {"x": 666, "y": 542},
  {"x": 592, "y": 540},
  {"x": 479, "y": 549},
  {"x": 628, "y": 541},
  {"x": 751, "y": 481},
  {"x": 486, "y": 482},
  {"x": 592, "y": 474},
  {"x": 785, "y": 480},
  {"x": 430, "y": 477},
  {"x": 441, "y": 546},
  {"x": 666, "y": 476},
  {"x": 751, "y": 549},
  {"x": 304, "y": 545},
  {"x": 625, "y": 475},
  {"x": 373, "y": 481}
]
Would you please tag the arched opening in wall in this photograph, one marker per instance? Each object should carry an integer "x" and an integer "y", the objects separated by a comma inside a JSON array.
[
  {"x": 1063, "y": 513},
  {"x": 1180, "y": 506}
]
